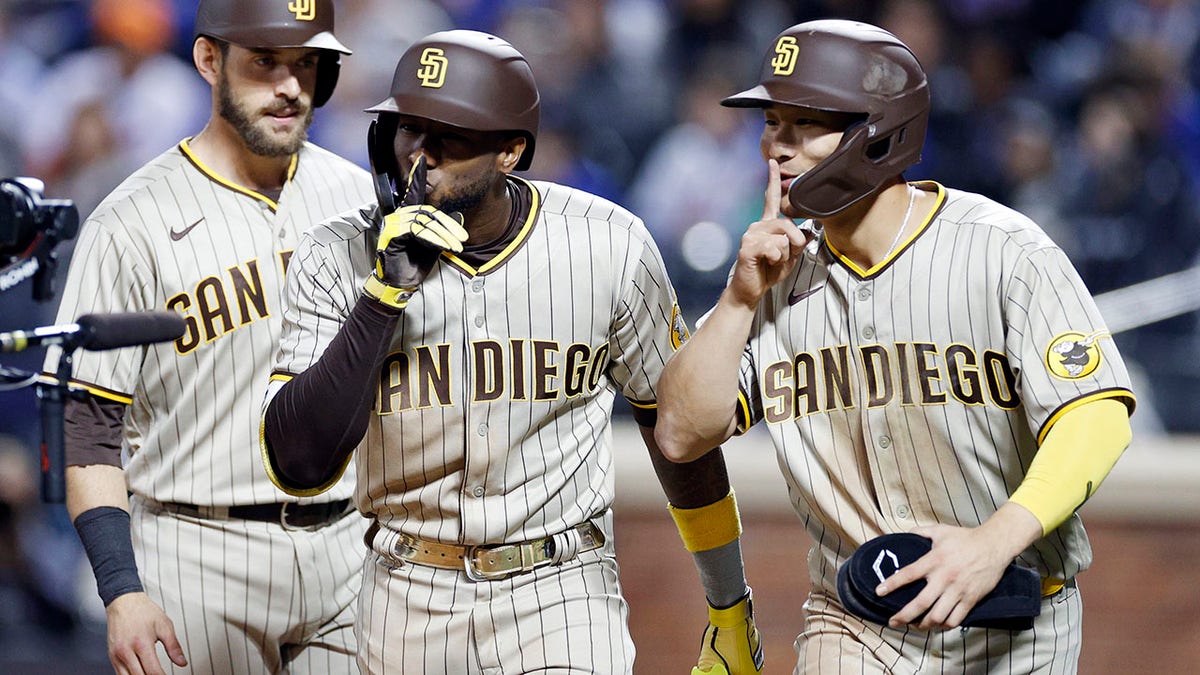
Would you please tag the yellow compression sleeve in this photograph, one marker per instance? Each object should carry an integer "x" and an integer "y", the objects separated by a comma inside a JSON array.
[
  {"x": 708, "y": 527},
  {"x": 1076, "y": 456}
]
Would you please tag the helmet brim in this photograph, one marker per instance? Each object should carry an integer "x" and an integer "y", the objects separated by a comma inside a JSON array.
[
  {"x": 326, "y": 40},
  {"x": 387, "y": 105},
  {"x": 252, "y": 38},
  {"x": 754, "y": 97}
]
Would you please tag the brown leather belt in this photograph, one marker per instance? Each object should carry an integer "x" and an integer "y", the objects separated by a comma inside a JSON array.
[
  {"x": 287, "y": 514},
  {"x": 488, "y": 562}
]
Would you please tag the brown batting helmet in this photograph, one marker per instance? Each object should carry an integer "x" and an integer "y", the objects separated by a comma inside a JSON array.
[
  {"x": 467, "y": 79},
  {"x": 847, "y": 67},
  {"x": 277, "y": 24}
]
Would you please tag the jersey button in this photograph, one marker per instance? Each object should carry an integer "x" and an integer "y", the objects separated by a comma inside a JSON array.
[
  {"x": 477, "y": 491},
  {"x": 885, "y": 442},
  {"x": 864, "y": 293},
  {"x": 479, "y": 322},
  {"x": 868, "y": 333},
  {"x": 902, "y": 511},
  {"x": 477, "y": 285},
  {"x": 482, "y": 430}
]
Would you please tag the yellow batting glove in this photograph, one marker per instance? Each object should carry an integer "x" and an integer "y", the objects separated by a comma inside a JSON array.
[
  {"x": 409, "y": 244},
  {"x": 731, "y": 644},
  {"x": 433, "y": 227}
]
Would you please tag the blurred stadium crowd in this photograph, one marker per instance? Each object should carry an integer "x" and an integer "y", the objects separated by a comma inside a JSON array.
[{"x": 1083, "y": 114}]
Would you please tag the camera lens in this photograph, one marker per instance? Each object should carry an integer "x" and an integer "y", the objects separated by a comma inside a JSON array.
[{"x": 17, "y": 229}]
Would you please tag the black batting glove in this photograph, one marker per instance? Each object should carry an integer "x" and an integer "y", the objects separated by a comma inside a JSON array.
[{"x": 412, "y": 238}]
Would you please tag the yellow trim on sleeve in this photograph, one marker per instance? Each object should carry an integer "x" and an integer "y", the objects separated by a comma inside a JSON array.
[
  {"x": 743, "y": 412},
  {"x": 1078, "y": 454},
  {"x": 1129, "y": 403},
  {"x": 708, "y": 527},
  {"x": 94, "y": 390},
  {"x": 268, "y": 461}
]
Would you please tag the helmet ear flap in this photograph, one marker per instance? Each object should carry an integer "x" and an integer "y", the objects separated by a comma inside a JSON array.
[
  {"x": 328, "y": 67},
  {"x": 834, "y": 183},
  {"x": 382, "y": 155}
]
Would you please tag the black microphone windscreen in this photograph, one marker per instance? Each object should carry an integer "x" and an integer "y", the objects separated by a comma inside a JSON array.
[{"x": 110, "y": 331}]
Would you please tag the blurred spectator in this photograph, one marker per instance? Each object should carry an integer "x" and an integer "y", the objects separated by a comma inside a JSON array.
[
  {"x": 371, "y": 30},
  {"x": 559, "y": 160},
  {"x": 37, "y": 565},
  {"x": 569, "y": 48},
  {"x": 1124, "y": 191},
  {"x": 20, "y": 75},
  {"x": 702, "y": 183},
  {"x": 698, "y": 27},
  {"x": 1029, "y": 165},
  {"x": 1131, "y": 207},
  {"x": 1161, "y": 37},
  {"x": 127, "y": 89},
  {"x": 50, "y": 28}
]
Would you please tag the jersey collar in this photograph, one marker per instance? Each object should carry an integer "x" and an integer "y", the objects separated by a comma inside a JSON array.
[
  {"x": 221, "y": 180},
  {"x": 927, "y": 185},
  {"x": 509, "y": 249}
]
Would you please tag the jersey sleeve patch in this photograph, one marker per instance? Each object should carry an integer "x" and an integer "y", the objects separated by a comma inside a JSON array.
[
  {"x": 1073, "y": 355},
  {"x": 679, "y": 329}
]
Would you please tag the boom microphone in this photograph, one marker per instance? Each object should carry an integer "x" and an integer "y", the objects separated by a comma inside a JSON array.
[
  {"x": 97, "y": 332},
  {"x": 110, "y": 331}
]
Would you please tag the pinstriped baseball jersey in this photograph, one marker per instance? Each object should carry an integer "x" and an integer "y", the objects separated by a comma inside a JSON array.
[
  {"x": 177, "y": 236},
  {"x": 917, "y": 392},
  {"x": 491, "y": 422}
]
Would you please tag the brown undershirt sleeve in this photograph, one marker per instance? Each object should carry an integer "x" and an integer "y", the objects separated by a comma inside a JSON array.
[
  {"x": 317, "y": 418},
  {"x": 92, "y": 431}
]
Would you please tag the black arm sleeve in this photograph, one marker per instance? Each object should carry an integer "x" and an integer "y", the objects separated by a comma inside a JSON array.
[{"x": 317, "y": 418}]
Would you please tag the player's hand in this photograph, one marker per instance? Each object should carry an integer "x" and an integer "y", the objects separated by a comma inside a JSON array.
[
  {"x": 964, "y": 565},
  {"x": 414, "y": 236},
  {"x": 135, "y": 625},
  {"x": 770, "y": 248},
  {"x": 731, "y": 644}
]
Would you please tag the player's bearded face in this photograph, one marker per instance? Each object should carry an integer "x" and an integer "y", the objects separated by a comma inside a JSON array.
[
  {"x": 463, "y": 193},
  {"x": 462, "y": 163},
  {"x": 256, "y": 123}
]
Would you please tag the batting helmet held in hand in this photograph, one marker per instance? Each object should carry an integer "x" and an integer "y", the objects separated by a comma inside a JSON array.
[
  {"x": 847, "y": 67},
  {"x": 277, "y": 24},
  {"x": 1011, "y": 605}
]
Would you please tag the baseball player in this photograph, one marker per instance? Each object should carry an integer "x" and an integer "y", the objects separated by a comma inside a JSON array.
[
  {"x": 467, "y": 335},
  {"x": 207, "y": 556},
  {"x": 907, "y": 365}
]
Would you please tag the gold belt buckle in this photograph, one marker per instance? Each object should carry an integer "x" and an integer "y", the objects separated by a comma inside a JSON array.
[
  {"x": 473, "y": 573},
  {"x": 404, "y": 546},
  {"x": 523, "y": 560}
]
